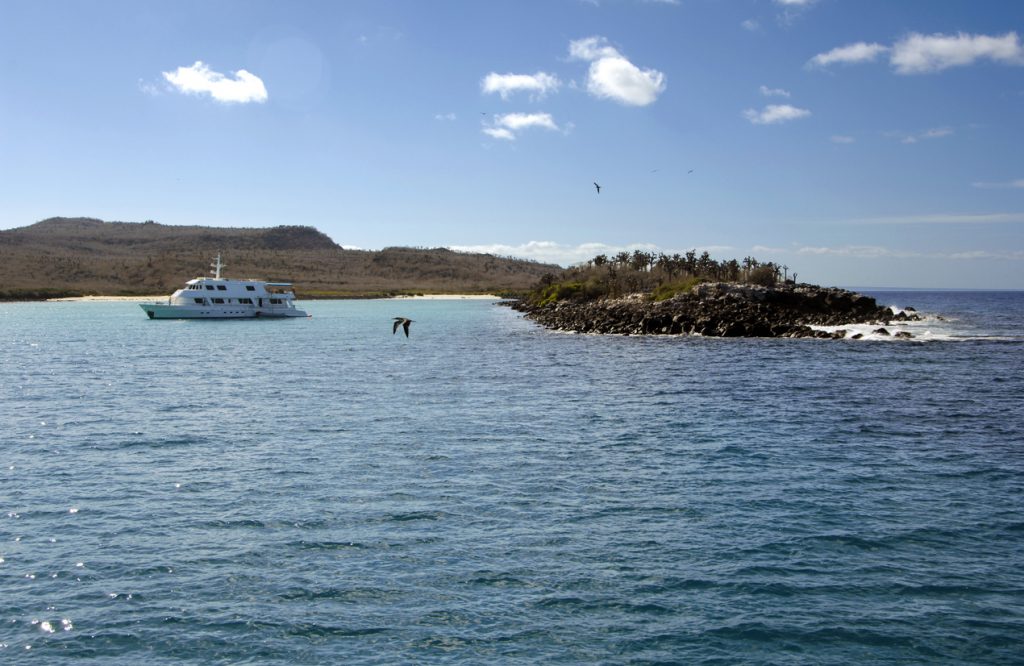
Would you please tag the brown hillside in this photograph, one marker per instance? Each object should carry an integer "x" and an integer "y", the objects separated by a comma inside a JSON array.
[{"x": 74, "y": 256}]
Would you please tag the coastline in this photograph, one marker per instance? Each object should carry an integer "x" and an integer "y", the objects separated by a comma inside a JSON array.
[
  {"x": 126, "y": 299},
  {"x": 723, "y": 309},
  {"x": 163, "y": 297},
  {"x": 445, "y": 297}
]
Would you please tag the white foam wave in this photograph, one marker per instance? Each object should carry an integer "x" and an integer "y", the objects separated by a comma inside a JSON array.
[{"x": 929, "y": 328}]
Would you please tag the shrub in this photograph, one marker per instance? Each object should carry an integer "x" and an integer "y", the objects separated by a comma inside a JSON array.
[{"x": 669, "y": 289}]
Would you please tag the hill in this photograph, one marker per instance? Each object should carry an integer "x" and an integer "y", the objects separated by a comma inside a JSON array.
[{"x": 79, "y": 256}]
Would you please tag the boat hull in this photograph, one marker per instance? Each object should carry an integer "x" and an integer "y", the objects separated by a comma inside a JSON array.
[{"x": 162, "y": 311}]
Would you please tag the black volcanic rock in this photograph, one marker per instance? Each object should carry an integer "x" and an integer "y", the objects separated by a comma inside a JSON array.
[{"x": 720, "y": 310}]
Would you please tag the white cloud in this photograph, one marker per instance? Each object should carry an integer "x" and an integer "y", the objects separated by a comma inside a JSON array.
[
  {"x": 862, "y": 251},
  {"x": 918, "y": 54},
  {"x": 876, "y": 252},
  {"x": 750, "y": 25},
  {"x": 1006, "y": 185},
  {"x": 775, "y": 113},
  {"x": 944, "y": 218},
  {"x": 849, "y": 54},
  {"x": 200, "y": 79},
  {"x": 839, "y": 138},
  {"x": 567, "y": 255},
  {"x": 149, "y": 88},
  {"x": 591, "y": 48},
  {"x": 551, "y": 252},
  {"x": 499, "y": 133},
  {"x": 613, "y": 76},
  {"x": 934, "y": 133},
  {"x": 538, "y": 85},
  {"x": 774, "y": 92},
  {"x": 445, "y": 116},
  {"x": 794, "y": 3},
  {"x": 506, "y": 126},
  {"x": 519, "y": 121}
]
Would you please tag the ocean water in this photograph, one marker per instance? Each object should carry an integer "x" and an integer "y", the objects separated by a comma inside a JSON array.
[{"x": 322, "y": 491}]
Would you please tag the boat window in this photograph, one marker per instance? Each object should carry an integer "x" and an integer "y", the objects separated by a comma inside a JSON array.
[
  {"x": 221, "y": 287},
  {"x": 247, "y": 301},
  {"x": 210, "y": 287},
  {"x": 198, "y": 300},
  {"x": 275, "y": 301},
  {"x": 218, "y": 300},
  {"x": 249, "y": 287}
]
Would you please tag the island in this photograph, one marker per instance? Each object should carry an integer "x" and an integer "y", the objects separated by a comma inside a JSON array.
[{"x": 646, "y": 294}]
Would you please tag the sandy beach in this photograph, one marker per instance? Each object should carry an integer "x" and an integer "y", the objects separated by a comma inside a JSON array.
[
  {"x": 448, "y": 297},
  {"x": 127, "y": 299},
  {"x": 159, "y": 298}
]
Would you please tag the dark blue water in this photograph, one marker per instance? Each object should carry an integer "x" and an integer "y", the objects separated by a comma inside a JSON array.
[{"x": 322, "y": 491}]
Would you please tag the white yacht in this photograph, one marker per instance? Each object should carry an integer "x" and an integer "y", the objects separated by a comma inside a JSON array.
[{"x": 221, "y": 298}]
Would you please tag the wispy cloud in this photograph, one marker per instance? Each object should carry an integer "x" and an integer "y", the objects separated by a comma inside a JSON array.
[
  {"x": 922, "y": 54},
  {"x": 791, "y": 10},
  {"x": 849, "y": 54},
  {"x": 613, "y": 76},
  {"x": 241, "y": 88},
  {"x": 774, "y": 114},
  {"x": 774, "y": 92},
  {"x": 934, "y": 133},
  {"x": 877, "y": 252},
  {"x": 499, "y": 133},
  {"x": 556, "y": 253},
  {"x": 149, "y": 88},
  {"x": 445, "y": 116},
  {"x": 840, "y": 138},
  {"x": 507, "y": 126},
  {"x": 942, "y": 218},
  {"x": 882, "y": 252},
  {"x": 1017, "y": 184},
  {"x": 919, "y": 54},
  {"x": 537, "y": 85},
  {"x": 750, "y": 25}
]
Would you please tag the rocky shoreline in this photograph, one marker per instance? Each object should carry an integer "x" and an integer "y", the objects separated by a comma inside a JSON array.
[{"x": 723, "y": 310}]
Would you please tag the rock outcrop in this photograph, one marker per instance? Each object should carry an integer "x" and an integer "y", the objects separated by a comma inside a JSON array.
[{"x": 721, "y": 310}]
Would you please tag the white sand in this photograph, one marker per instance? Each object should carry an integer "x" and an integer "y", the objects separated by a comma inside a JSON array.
[
  {"x": 450, "y": 297},
  {"x": 128, "y": 299},
  {"x": 163, "y": 298}
]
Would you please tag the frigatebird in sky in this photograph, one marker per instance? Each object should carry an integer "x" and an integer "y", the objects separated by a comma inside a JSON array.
[{"x": 598, "y": 188}]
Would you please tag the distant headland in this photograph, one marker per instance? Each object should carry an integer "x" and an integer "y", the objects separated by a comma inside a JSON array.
[{"x": 67, "y": 257}]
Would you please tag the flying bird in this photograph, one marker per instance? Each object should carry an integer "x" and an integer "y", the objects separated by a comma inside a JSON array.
[
  {"x": 598, "y": 188},
  {"x": 404, "y": 323},
  {"x": 690, "y": 171}
]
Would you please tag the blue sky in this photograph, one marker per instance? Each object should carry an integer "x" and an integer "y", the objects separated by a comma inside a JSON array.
[{"x": 860, "y": 142}]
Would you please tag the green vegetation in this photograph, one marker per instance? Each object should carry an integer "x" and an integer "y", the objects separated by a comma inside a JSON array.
[
  {"x": 659, "y": 276},
  {"x": 667, "y": 290}
]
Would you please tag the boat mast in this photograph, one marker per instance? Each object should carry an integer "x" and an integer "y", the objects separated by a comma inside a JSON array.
[{"x": 217, "y": 266}]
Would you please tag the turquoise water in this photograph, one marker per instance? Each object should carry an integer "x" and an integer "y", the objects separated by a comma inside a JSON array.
[{"x": 322, "y": 491}]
